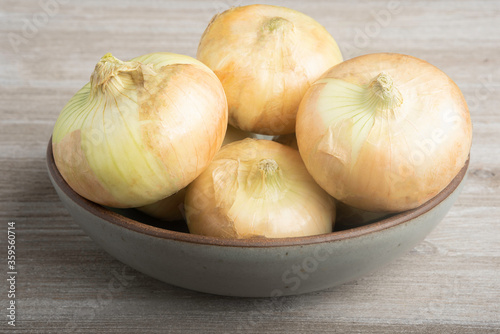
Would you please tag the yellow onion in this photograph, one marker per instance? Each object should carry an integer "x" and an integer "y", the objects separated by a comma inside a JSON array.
[
  {"x": 257, "y": 188},
  {"x": 140, "y": 130},
  {"x": 384, "y": 132},
  {"x": 266, "y": 57},
  {"x": 172, "y": 207}
]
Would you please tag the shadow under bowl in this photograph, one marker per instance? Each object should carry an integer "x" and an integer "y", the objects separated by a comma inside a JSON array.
[{"x": 253, "y": 267}]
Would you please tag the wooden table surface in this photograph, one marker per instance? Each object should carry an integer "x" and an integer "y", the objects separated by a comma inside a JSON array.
[{"x": 450, "y": 283}]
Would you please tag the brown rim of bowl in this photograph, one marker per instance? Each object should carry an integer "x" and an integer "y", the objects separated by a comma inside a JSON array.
[{"x": 130, "y": 224}]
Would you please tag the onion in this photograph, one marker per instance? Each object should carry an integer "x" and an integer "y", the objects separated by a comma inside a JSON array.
[
  {"x": 257, "y": 188},
  {"x": 266, "y": 57},
  {"x": 384, "y": 132},
  {"x": 141, "y": 130}
]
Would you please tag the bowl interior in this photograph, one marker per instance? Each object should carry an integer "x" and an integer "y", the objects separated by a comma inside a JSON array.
[{"x": 136, "y": 221}]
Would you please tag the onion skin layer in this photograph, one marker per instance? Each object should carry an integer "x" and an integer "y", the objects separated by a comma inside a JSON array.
[
  {"x": 257, "y": 188},
  {"x": 266, "y": 57},
  {"x": 385, "y": 159},
  {"x": 140, "y": 130}
]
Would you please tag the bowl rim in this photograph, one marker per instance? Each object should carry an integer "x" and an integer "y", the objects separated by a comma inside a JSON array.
[{"x": 136, "y": 226}]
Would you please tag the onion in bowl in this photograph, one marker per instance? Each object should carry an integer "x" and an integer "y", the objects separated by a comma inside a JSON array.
[
  {"x": 140, "y": 130},
  {"x": 257, "y": 188},
  {"x": 266, "y": 57},
  {"x": 384, "y": 132}
]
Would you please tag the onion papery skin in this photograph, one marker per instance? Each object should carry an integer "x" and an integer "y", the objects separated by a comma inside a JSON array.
[
  {"x": 257, "y": 188},
  {"x": 140, "y": 130},
  {"x": 266, "y": 57},
  {"x": 384, "y": 132}
]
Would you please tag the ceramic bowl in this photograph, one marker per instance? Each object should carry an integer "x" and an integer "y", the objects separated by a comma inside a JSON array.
[{"x": 257, "y": 267}]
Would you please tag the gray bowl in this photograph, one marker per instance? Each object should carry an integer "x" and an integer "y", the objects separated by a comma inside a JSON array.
[{"x": 258, "y": 267}]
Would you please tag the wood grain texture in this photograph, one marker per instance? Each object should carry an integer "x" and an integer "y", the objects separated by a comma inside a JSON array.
[{"x": 450, "y": 283}]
